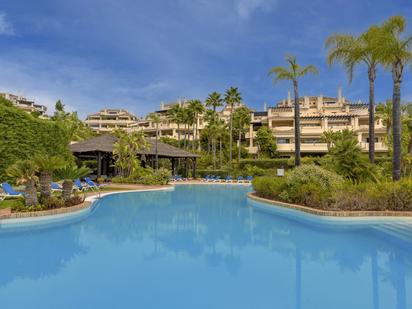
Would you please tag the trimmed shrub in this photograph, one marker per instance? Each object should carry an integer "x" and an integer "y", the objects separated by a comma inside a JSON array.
[
  {"x": 375, "y": 196},
  {"x": 269, "y": 187},
  {"x": 22, "y": 136},
  {"x": 308, "y": 185}
]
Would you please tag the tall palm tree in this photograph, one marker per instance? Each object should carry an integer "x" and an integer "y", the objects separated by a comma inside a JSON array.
[
  {"x": 176, "y": 116},
  {"x": 68, "y": 174},
  {"x": 396, "y": 53},
  {"x": 241, "y": 119},
  {"x": 215, "y": 100},
  {"x": 46, "y": 165},
  {"x": 221, "y": 135},
  {"x": 232, "y": 97},
  {"x": 351, "y": 51},
  {"x": 24, "y": 172},
  {"x": 197, "y": 108},
  {"x": 292, "y": 73},
  {"x": 154, "y": 117}
]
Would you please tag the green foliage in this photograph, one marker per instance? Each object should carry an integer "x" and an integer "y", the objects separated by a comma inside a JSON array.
[
  {"x": 308, "y": 185},
  {"x": 266, "y": 163},
  {"x": 266, "y": 142},
  {"x": 126, "y": 150},
  {"x": 23, "y": 171},
  {"x": 22, "y": 136},
  {"x": 269, "y": 187},
  {"x": 169, "y": 141},
  {"x": 48, "y": 163},
  {"x": 75, "y": 129},
  {"x": 375, "y": 196},
  {"x": 71, "y": 172},
  {"x": 146, "y": 176},
  {"x": 348, "y": 160}
]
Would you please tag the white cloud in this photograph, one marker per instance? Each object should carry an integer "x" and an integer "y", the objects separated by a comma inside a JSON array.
[
  {"x": 245, "y": 8},
  {"x": 5, "y": 26}
]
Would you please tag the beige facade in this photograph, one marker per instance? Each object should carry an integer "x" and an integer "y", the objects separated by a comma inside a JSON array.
[
  {"x": 168, "y": 128},
  {"x": 25, "y": 104},
  {"x": 110, "y": 119},
  {"x": 318, "y": 115}
]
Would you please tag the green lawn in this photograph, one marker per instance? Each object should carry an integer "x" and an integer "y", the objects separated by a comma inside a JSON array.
[{"x": 11, "y": 202}]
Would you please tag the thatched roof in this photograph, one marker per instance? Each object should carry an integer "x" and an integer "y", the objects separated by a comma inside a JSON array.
[{"x": 105, "y": 143}]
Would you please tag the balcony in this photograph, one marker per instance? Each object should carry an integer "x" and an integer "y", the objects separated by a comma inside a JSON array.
[
  {"x": 308, "y": 148},
  {"x": 379, "y": 147}
]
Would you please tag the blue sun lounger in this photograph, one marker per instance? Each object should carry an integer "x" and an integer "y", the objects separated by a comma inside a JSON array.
[{"x": 8, "y": 191}]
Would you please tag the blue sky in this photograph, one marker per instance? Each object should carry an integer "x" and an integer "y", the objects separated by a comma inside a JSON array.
[{"x": 134, "y": 54}]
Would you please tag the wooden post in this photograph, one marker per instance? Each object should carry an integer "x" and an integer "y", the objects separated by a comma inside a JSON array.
[
  {"x": 186, "y": 167},
  {"x": 194, "y": 168},
  {"x": 173, "y": 167},
  {"x": 99, "y": 164}
]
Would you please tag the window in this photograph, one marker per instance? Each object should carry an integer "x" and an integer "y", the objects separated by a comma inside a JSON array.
[
  {"x": 376, "y": 140},
  {"x": 282, "y": 140}
]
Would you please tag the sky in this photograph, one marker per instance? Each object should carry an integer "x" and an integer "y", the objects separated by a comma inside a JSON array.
[{"x": 134, "y": 54}]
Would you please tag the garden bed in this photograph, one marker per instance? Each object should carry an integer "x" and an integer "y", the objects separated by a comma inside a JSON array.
[{"x": 330, "y": 213}]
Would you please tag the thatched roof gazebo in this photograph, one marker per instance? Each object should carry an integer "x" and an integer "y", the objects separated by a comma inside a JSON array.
[{"x": 101, "y": 148}]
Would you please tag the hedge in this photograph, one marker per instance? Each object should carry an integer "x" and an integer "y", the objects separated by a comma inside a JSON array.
[
  {"x": 277, "y": 163},
  {"x": 22, "y": 135}
]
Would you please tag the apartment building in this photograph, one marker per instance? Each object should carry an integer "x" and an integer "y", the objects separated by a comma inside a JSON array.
[
  {"x": 28, "y": 106},
  {"x": 168, "y": 128},
  {"x": 110, "y": 119},
  {"x": 317, "y": 115}
]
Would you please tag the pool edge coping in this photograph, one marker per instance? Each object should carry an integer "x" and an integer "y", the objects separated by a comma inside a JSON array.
[
  {"x": 332, "y": 214},
  {"x": 63, "y": 214}
]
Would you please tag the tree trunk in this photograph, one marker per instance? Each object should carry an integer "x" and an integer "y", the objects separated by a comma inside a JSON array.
[
  {"x": 45, "y": 178},
  {"x": 297, "y": 124},
  {"x": 67, "y": 190},
  {"x": 239, "y": 140},
  {"x": 396, "y": 121},
  {"x": 214, "y": 152},
  {"x": 156, "y": 152},
  {"x": 220, "y": 153},
  {"x": 194, "y": 135},
  {"x": 231, "y": 133},
  {"x": 178, "y": 134},
  {"x": 372, "y": 75},
  {"x": 30, "y": 196}
]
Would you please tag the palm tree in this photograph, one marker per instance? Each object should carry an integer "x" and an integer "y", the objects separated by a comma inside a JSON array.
[
  {"x": 24, "y": 172},
  {"x": 176, "y": 116},
  {"x": 196, "y": 107},
  {"x": 221, "y": 135},
  {"x": 188, "y": 120},
  {"x": 293, "y": 72},
  {"x": 154, "y": 117},
  {"x": 46, "y": 165},
  {"x": 396, "y": 53},
  {"x": 215, "y": 100},
  {"x": 351, "y": 51},
  {"x": 232, "y": 97},
  {"x": 241, "y": 119},
  {"x": 329, "y": 137},
  {"x": 68, "y": 174}
]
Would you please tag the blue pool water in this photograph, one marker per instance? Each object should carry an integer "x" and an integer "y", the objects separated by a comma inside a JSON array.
[{"x": 204, "y": 247}]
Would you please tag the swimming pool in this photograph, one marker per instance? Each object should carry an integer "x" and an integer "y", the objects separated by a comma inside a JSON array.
[{"x": 203, "y": 247}]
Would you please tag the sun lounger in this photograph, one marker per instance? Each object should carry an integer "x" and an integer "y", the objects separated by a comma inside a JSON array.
[
  {"x": 91, "y": 184},
  {"x": 8, "y": 191},
  {"x": 56, "y": 187},
  {"x": 240, "y": 179},
  {"x": 228, "y": 179},
  {"x": 79, "y": 186}
]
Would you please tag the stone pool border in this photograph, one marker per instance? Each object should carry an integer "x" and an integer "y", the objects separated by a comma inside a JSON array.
[
  {"x": 62, "y": 214},
  {"x": 331, "y": 213}
]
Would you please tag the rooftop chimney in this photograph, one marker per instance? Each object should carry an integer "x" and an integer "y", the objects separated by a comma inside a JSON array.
[
  {"x": 340, "y": 94},
  {"x": 265, "y": 107}
]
